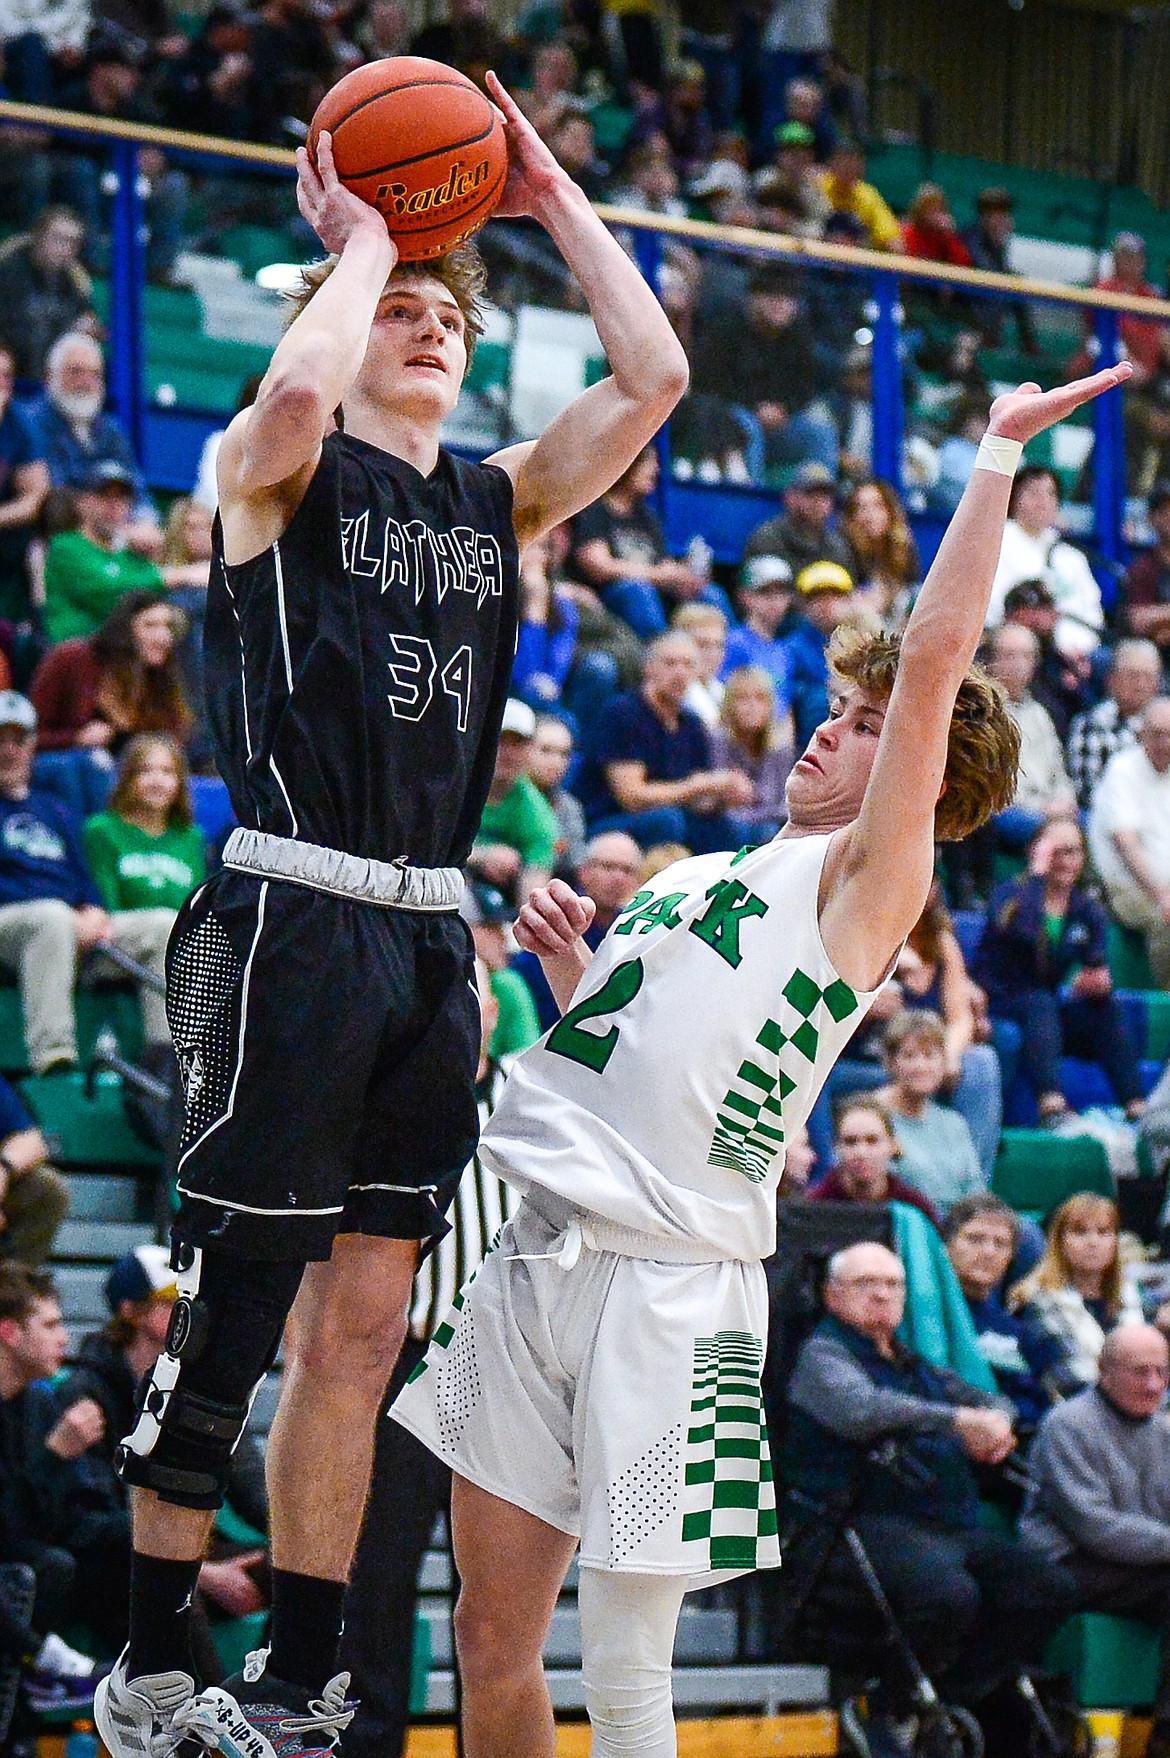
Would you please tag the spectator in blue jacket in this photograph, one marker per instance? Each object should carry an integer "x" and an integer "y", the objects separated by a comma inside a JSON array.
[
  {"x": 50, "y": 912},
  {"x": 825, "y": 593},
  {"x": 75, "y": 432},
  {"x": 1029, "y": 1363},
  {"x": 1042, "y": 961}
]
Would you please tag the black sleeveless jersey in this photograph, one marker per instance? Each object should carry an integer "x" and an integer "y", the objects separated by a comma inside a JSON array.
[{"x": 357, "y": 669}]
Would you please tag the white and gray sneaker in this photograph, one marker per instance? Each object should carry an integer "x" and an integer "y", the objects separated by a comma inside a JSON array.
[{"x": 158, "y": 1716}]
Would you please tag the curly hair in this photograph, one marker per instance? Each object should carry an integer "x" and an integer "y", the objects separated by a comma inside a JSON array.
[
  {"x": 461, "y": 271},
  {"x": 983, "y": 746}
]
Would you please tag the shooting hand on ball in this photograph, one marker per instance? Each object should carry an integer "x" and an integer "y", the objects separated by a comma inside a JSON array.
[
  {"x": 533, "y": 174},
  {"x": 333, "y": 211}
]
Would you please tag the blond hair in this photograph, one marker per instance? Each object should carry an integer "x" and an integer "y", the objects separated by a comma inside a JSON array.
[
  {"x": 983, "y": 745},
  {"x": 461, "y": 272},
  {"x": 1054, "y": 1270}
]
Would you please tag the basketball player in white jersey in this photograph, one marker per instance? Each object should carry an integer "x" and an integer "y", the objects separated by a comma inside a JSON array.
[{"x": 598, "y": 1380}]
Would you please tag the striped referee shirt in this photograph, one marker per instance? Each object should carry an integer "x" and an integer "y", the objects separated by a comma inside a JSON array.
[{"x": 482, "y": 1204}]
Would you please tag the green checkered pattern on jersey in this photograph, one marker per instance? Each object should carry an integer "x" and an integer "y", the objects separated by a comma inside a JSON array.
[
  {"x": 729, "y": 1505},
  {"x": 749, "y": 1128}
]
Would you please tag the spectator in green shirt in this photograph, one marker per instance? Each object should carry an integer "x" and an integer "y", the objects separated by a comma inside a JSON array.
[
  {"x": 516, "y": 844},
  {"x": 144, "y": 851},
  {"x": 88, "y": 569}
]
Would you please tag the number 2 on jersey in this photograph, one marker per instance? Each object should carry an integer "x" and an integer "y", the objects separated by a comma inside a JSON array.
[{"x": 594, "y": 1049}]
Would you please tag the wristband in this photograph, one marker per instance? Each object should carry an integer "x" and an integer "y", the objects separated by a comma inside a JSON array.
[{"x": 997, "y": 454}]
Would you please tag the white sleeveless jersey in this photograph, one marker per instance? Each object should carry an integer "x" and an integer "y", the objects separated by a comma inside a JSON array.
[{"x": 699, "y": 1036}]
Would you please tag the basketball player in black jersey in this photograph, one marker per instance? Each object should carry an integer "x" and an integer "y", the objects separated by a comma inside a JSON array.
[{"x": 360, "y": 631}]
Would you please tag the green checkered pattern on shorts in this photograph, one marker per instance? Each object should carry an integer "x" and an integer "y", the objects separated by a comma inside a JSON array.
[{"x": 729, "y": 1506}]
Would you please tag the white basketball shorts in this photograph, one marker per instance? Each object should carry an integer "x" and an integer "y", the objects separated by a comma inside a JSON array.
[{"x": 613, "y": 1397}]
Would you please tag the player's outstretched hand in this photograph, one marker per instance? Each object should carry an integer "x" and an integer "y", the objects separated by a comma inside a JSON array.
[
  {"x": 332, "y": 210},
  {"x": 1023, "y": 413},
  {"x": 533, "y": 174},
  {"x": 553, "y": 919}
]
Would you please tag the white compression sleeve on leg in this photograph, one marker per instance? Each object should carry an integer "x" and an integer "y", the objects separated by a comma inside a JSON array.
[{"x": 627, "y": 1643}]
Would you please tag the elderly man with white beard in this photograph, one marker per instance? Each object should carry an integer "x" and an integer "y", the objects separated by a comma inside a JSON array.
[{"x": 77, "y": 433}]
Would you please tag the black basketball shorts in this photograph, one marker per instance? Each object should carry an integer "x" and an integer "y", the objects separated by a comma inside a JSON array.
[{"x": 328, "y": 1051}]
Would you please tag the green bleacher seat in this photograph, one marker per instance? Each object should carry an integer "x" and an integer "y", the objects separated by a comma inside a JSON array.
[
  {"x": 85, "y": 1129},
  {"x": 1157, "y": 1025},
  {"x": 1113, "y": 1662},
  {"x": 1035, "y": 1171},
  {"x": 489, "y": 368},
  {"x": 1128, "y": 964}
]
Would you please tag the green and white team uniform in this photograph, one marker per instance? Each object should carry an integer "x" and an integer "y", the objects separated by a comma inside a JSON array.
[{"x": 602, "y": 1369}]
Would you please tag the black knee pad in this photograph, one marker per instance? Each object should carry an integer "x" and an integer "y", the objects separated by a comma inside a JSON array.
[{"x": 193, "y": 1406}]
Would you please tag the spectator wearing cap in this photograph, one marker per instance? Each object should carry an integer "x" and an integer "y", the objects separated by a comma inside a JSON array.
[
  {"x": 793, "y": 174},
  {"x": 803, "y": 532},
  {"x": 1062, "y": 683},
  {"x": 1139, "y": 336},
  {"x": 764, "y": 601},
  {"x": 110, "y": 1366},
  {"x": 608, "y": 872},
  {"x": 44, "y": 290},
  {"x": 489, "y": 915},
  {"x": 824, "y": 592},
  {"x": 1033, "y": 549},
  {"x": 1145, "y": 591},
  {"x": 1098, "y": 1500},
  {"x": 1129, "y": 835},
  {"x": 649, "y": 770},
  {"x": 516, "y": 844},
  {"x": 50, "y": 912},
  {"x": 845, "y": 188},
  {"x": 88, "y": 569},
  {"x": 1132, "y": 681},
  {"x": 929, "y": 231},
  {"x": 771, "y": 361},
  {"x": 619, "y": 550},
  {"x": 24, "y": 483}
]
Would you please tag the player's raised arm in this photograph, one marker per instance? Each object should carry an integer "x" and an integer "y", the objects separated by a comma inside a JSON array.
[
  {"x": 878, "y": 874},
  {"x": 586, "y": 447},
  {"x": 319, "y": 357}
]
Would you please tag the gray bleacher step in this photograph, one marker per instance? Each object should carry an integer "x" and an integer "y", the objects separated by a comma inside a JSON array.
[
  {"x": 766, "y": 1689},
  {"x": 102, "y": 1196},
  {"x": 435, "y": 1574},
  {"x": 264, "y": 1409},
  {"x": 704, "y": 1637},
  {"x": 81, "y": 1288},
  {"x": 103, "y": 1241}
]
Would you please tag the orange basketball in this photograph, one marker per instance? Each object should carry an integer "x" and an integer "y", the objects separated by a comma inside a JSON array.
[{"x": 420, "y": 143}]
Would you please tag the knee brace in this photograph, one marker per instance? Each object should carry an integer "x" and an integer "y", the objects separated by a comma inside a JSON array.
[
  {"x": 194, "y": 1405},
  {"x": 627, "y": 1642}
]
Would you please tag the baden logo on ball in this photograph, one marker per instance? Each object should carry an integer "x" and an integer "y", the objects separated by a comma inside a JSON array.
[{"x": 422, "y": 144}]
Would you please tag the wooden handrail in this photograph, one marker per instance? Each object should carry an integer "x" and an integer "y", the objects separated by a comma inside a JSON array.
[{"x": 781, "y": 246}]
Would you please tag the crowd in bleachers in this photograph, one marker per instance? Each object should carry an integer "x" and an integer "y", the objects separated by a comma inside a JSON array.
[{"x": 658, "y": 703}]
